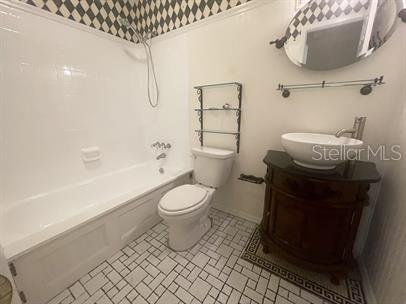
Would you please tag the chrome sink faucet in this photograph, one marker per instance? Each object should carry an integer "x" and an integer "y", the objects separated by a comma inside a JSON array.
[{"x": 357, "y": 130}]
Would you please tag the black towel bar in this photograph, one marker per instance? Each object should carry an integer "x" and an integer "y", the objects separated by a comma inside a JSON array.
[{"x": 251, "y": 179}]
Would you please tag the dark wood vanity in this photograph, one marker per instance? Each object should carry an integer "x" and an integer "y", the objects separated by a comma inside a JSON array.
[{"x": 311, "y": 217}]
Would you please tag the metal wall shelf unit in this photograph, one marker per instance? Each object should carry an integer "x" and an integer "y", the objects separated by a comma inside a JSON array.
[{"x": 202, "y": 109}]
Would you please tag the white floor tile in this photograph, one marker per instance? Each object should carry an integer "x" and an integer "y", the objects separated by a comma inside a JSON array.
[
  {"x": 136, "y": 276},
  {"x": 200, "y": 289},
  {"x": 237, "y": 280},
  {"x": 148, "y": 272},
  {"x": 167, "y": 265}
]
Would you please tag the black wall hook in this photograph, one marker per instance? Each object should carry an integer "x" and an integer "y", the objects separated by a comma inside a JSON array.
[
  {"x": 285, "y": 93},
  {"x": 366, "y": 90},
  {"x": 402, "y": 15},
  {"x": 279, "y": 43}
]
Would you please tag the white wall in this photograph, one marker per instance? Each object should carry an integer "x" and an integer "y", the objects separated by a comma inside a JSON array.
[
  {"x": 385, "y": 252},
  {"x": 171, "y": 122},
  {"x": 236, "y": 49},
  {"x": 64, "y": 88}
]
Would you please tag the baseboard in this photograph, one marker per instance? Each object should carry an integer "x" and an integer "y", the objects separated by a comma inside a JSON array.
[
  {"x": 368, "y": 290},
  {"x": 238, "y": 213}
]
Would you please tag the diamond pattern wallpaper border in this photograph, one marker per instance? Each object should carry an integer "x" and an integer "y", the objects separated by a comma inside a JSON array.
[
  {"x": 157, "y": 17},
  {"x": 323, "y": 10},
  {"x": 99, "y": 14},
  {"x": 150, "y": 17}
]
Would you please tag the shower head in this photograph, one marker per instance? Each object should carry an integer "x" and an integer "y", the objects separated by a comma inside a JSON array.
[{"x": 124, "y": 22}]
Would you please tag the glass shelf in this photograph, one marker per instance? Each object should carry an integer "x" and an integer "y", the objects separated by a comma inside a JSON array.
[
  {"x": 218, "y": 109},
  {"x": 218, "y": 85},
  {"x": 217, "y": 132}
]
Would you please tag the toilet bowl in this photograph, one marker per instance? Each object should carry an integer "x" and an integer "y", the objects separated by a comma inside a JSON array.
[{"x": 186, "y": 208}]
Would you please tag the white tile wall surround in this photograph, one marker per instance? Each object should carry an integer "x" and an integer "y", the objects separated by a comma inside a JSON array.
[{"x": 63, "y": 95}]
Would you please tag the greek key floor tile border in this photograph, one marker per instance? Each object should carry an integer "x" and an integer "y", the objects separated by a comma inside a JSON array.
[{"x": 354, "y": 287}]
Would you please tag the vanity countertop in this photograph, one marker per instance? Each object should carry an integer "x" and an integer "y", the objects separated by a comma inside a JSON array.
[{"x": 356, "y": 171}]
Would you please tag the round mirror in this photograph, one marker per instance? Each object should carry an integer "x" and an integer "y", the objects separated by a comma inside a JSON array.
[
  {"x": 328, "y": 34},
  {"x": 6, "y": 291}
]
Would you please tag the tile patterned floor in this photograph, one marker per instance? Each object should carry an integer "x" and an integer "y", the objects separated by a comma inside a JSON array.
[{"x": 147, "y": 271}]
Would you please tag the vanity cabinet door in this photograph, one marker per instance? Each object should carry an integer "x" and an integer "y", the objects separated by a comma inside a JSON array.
[{"x": 308, "y": 231}]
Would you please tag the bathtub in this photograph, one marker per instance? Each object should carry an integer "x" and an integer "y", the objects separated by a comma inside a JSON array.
[{"x": 54, "y": 238}]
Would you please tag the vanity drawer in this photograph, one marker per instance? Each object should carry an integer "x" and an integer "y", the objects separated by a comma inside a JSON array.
[{"x": 315, "y": 190}]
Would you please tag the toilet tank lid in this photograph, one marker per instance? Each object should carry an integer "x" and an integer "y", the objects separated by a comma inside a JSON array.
[{"x": 213, "y": 152}]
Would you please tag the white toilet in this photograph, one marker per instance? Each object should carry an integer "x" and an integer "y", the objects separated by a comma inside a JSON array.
[{"x": 186, "y": 208}]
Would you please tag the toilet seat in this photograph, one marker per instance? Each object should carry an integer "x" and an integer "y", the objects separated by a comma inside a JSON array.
[{"x": 183, "y": 199}]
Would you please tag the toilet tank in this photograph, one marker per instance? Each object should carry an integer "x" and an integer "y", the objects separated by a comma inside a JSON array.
[{"x": 212, "y": 166}]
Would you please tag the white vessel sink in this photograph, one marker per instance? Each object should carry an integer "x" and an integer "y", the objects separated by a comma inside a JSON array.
[{"x": 319, "y": 151}]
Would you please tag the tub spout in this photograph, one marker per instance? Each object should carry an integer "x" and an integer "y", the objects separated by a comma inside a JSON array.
[{"x": 162, "y": 155}]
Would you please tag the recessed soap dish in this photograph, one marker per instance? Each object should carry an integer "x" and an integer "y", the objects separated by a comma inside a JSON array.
[{"x": 91, "y": 154}]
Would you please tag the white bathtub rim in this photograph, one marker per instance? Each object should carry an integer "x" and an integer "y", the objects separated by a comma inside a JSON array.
[
  {"x": 40, "y": 211},
  {"x": 14, "y": 204},
  {"x": 19, "y": 246}
]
